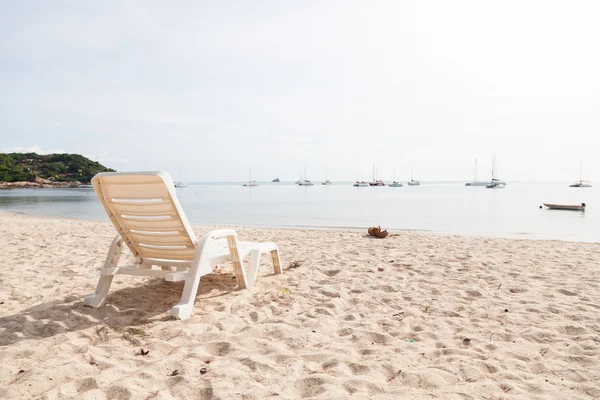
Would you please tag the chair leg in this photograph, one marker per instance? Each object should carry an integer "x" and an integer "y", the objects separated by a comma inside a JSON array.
[
  {"x": 238, "y": 264},
  {"x": 112, "y": 260},
  {"x": 183, "y": 309},
  {"x": 276, "y": 261},
  {"x": 253, "y": 269}
]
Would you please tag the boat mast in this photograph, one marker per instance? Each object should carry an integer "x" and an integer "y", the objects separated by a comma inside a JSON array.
[
  {"x": 373, "y": 172},
  {"x": 581, "y": 170}
]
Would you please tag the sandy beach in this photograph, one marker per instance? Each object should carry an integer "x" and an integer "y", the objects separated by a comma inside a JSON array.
[{"x": 412, "y": 317}]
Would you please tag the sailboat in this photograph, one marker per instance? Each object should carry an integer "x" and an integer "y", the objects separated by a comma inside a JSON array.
[
  {"x": 180, "y": 184},
  {"x": 475, "y": 181},
  {"x": 305, "y": 182},
  {"x": 412, "y": 182},
  {"x": 375, "y": 181},
  {"x": 250, "y": 183},
  {"x": 495, "y": 183},
  {"x": 581, "y": 182},
  {"x": 327, "y": 181},
  {"x": 394, "y": 183},
  {"x": 299, "y": 178},
  {"x": 361, "y": 183}
]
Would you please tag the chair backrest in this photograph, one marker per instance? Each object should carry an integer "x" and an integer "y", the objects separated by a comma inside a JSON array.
[{"x": 143, "y": 206}]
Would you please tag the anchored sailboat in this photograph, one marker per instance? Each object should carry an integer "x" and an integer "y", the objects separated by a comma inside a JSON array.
[
  {"x": 475, "y": 182},
  {"x": 412, "y": 182},
  {"x": 327, "y": 181},
  {"x": 180, "y": 184},
  {"x": 361, "y": 183},
  {"x": 394, "y": 183},
  {"x": 581, "y": 182},
  {"x": 495, "y": 183},
  {"x": 305, "y": 182},
  {"x": 250, "y": 183},
  {"x": 376, "y": 182}
]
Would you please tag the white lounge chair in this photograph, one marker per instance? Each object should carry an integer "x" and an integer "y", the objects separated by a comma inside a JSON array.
[{"x": 143, "y": 206}]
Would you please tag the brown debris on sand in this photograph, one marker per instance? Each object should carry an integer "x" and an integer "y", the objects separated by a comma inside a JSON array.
[{"x": 377, "y": 232}]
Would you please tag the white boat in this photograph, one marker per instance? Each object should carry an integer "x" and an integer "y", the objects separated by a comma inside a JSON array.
[
  {"x": 394, "y": 182},
  {"x": 412, "y": 182},
  {"x": 581, "y": 182},
  {"x": 327, "y": 181},
  {"x": 180, "y": 184},
  {"x": 305, "y": 182},
  {"x": 475, "y": 182},
  {"x": 495, "y": 183},
  {"x": 250, "y": 183},
  {"x": 361, "y": 183}
]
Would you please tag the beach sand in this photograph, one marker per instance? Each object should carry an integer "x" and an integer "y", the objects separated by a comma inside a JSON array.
[{"x": 413, "y": 317}]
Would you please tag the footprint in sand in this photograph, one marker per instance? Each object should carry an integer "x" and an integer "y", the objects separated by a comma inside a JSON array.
[
  {"x": 567, "y": 292},
  {"x": 517, "y": 290},
  {"x": 358, "y": 369},
  {"x": 219, "y": 348},
  {"x": 253, "y": 316},
  {"x": 311, "y": 386}
]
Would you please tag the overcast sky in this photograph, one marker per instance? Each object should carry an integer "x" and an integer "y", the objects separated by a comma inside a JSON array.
[{"x": 212, "y": 88}]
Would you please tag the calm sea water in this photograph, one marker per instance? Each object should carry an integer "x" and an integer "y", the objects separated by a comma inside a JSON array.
[{"x": 440, "y": 208}]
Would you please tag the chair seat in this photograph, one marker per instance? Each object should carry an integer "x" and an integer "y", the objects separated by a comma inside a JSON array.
[{"x": 219, "y": 252}]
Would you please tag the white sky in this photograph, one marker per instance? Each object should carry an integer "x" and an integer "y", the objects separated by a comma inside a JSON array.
[{"x": 213, "y": 88}]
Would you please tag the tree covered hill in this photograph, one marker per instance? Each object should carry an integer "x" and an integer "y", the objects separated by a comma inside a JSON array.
[{"x": 20, "y": 167}]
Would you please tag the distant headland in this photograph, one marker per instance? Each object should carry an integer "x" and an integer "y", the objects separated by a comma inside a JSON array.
[{"x": 32, "y": 170}]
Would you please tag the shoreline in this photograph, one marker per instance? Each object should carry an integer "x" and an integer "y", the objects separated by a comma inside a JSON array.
[
  {"x": 42, "y": 184},
  {"x": 424, "y": 232}
]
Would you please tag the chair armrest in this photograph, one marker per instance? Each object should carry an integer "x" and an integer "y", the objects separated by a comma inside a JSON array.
[{"x": 216, "y": 234}]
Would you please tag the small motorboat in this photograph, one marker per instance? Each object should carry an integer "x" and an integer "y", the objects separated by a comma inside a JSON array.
[{"x": 580, "y": 207}]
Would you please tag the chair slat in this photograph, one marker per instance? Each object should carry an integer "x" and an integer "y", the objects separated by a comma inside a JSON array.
[
  {"x": 143, "y": 207},
  {"x": 153, "y": 225},
  {"x": 167, "y": 254},
  {"x": 161, "y": 240}
]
